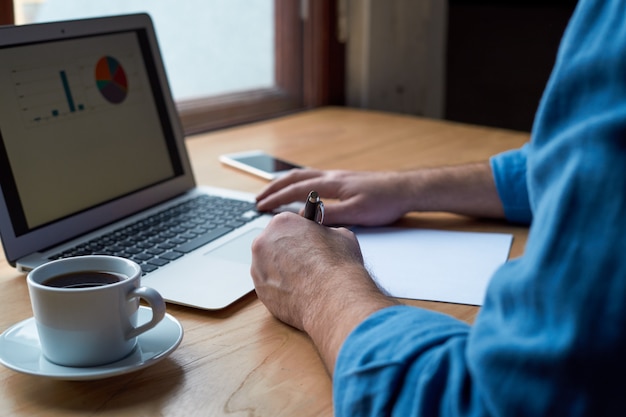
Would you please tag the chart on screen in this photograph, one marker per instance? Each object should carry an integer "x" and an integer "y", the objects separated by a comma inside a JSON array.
[
  {"x": 111, "y": 79},
  {"x": 53, "y": 92}
]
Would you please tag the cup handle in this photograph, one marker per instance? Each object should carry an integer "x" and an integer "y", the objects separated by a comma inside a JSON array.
[{"x": 157, "y": 305}]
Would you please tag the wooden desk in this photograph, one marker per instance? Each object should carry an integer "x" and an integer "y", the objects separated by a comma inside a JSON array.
[{"x": 241, "y": 361}]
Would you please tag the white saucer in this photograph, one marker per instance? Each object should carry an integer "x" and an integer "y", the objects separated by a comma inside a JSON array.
[{"x": 20, "y": 351}]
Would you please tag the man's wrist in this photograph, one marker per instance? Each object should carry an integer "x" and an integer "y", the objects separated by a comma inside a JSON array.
[{"x": 340, "y": 308}]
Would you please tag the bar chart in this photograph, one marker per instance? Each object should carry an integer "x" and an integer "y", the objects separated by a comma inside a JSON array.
[
  {"x": 68, "y": 94},
  {"x": 45, "y": 93}
]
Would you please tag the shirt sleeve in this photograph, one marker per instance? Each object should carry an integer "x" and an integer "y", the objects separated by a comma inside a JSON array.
[
  {"x": 549, "y": 339},
  {"x": 399, "y": 361},
  {"x": 509, "y": 172}
]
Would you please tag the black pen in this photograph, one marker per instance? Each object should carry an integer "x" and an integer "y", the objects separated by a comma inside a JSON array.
[{"x": 314, "y": 208}]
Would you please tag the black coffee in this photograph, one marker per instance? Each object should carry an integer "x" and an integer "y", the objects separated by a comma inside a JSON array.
[{"x": 83, "y": 279}]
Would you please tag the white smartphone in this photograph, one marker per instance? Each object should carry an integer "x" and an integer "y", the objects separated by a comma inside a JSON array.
[{"x": 258, "y": 163}]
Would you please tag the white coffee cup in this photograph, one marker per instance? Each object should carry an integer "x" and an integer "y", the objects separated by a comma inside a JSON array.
[{"x": 92, "y": 323}]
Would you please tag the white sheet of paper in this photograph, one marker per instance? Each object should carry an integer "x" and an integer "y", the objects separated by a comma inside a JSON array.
[{"x": 433, "y": 265}]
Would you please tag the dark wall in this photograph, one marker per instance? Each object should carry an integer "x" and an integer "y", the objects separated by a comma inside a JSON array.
[{"x": 499, "y": 58}]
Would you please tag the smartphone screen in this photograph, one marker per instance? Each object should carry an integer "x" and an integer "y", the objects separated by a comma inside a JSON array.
[
  {"x": 267, "y": 163},
  {"x": 259, "y": 163}
]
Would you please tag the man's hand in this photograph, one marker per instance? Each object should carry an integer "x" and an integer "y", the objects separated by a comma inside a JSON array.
[
  {"x": 379, "y": 198},
  {"x": 364, "y": 198},
  {"x": 312, "y": 277}
]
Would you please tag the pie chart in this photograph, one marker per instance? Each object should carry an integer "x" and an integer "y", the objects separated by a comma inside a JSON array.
[{"x": 111, "y": 80}]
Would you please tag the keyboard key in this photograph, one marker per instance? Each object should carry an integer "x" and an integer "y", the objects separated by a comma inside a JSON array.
[
  {"x": 171, "y": 256},
  {"x": 147, "y": 268},
  {"x": 158, "y": 262}
]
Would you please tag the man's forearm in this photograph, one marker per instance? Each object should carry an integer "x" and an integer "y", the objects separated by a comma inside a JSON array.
[{"x": 465, "y": 189}]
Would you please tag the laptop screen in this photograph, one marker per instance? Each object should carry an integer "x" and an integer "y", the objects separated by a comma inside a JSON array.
[{"x": 81, "y": 124}]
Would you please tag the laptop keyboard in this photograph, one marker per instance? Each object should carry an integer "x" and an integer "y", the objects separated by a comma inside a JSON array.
[{"x": 170, "y": 234}]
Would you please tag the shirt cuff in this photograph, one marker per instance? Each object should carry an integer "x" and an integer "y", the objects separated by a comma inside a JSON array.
[{"x": 509, "y": 172}]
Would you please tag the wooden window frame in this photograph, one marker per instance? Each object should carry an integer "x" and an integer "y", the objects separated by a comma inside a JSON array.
[
  {"x": 309, "y": 70},
  {"x": 7, "y": 16}
]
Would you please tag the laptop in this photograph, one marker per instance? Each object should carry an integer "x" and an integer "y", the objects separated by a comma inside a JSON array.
[{"x": 92, "y": 151}]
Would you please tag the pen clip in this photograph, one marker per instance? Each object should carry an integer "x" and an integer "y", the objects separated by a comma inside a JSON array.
[{"x": 319, "y": 216}]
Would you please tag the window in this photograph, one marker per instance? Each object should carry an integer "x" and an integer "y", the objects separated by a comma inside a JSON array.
[{"x": 229, "y": 61}]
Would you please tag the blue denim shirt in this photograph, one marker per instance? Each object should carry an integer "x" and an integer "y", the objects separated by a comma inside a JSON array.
[{"x": 550, "y": 339}]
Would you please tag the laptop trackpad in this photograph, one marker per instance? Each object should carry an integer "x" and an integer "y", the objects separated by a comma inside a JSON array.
[{"x": 236, "y": 250}]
